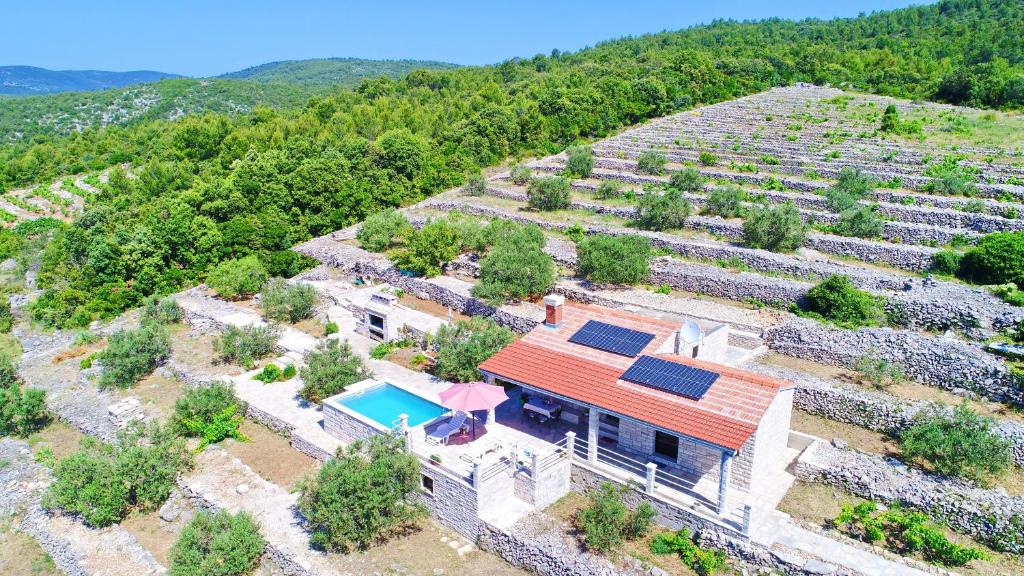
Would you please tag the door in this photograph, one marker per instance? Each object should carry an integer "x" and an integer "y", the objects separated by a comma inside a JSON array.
[{"x": 666, "y": 445}]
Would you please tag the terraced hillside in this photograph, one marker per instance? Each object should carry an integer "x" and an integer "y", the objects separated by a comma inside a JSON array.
[{"x": 63, "y": 199}]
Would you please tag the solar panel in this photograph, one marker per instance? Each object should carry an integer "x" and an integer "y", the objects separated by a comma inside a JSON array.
[
  {"x": 671, "y": 377},
  {"x": 611, "y": 338}
]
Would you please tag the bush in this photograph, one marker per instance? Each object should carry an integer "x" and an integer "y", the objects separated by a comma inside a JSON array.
[
  {"x": 997, "y": 258},
  {"x": 362, "y": 495},
  {"x": 22, "y": 410},
  {"x": 8, "y": 371},
  {"x": 605, "y": 259},
  {"x": 161, "y": 310},
  {"x": 779, "y": 228},
  {"x": 246, "y": 345},
  {"x": 707, "y": 158},
  {"x": 463, "y": 346},
  {"x": 330, "y": 367},
  {"x": 962, "y": 443},
  {"x": 514, "y": 270},
  {"x": 859, "y": 222},
  {"x": 6, "y": 316},
  {"x": 579, "y": 161},
  {"x": 606, "y": 523},
  {"x": 221, "y": 544},
  {"x": 609, "y": 189},
  {"x": 686, "y": 180},
  {"x": 102, "y": 482},
  {"x": 430, "y": 248},
  {"x": 704, "y": 562},
  {"x": 211, "y": 413},
  {"x": 890, "y": 120},
  {"x": 476, "y": 185},
  {"x": 651, "y": 162},
  {"x": 837, "y": 300},
  {"x": 283, "y": 301},
  {"x": 946, "y": 262},
  {"x": 237, "y": 277},
  {"x": 520, "y": 175},
  {"x": 549, "y": 193},
  {"x": 330, "y": 328},
  {"x": 662, "y": 211},
  {"x": 878, "y": 371},
  {"x": 131, "y": 355},
  {"x": 727, "y": 202},
  {"x": 383, "y": 230},
  {"x": 950, "y": 178}
]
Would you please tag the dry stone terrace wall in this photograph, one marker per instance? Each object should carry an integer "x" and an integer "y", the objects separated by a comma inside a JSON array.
[
  {"x": 925, "y": 303},
  {"x": 947, "y": 363},
  {"x": 988, "y": 515}
]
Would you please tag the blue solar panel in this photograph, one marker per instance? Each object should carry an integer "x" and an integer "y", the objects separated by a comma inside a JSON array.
[
  {"x": 612, "y": 338},
  {"x": 671, "y": 377}
]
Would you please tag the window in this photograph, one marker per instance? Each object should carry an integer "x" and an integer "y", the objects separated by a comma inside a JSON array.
[
  {"x": 666, "y": 445},
  {"x": 427, "y": 483}
]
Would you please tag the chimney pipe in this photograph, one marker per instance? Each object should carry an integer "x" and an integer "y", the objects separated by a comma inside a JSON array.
[{"x": 553, "y": 310}]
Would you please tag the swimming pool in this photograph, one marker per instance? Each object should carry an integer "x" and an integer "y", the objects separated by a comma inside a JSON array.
[{"x": 385, "y": 402}]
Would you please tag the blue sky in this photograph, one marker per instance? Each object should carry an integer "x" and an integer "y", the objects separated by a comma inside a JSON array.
[{"x": 200, "y": 38}]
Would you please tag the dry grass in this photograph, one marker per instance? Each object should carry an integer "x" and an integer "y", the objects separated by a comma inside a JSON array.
[
  {"x": 21, "y": 555},
  {"x": 153, "y": 534},
  {"x": 270, "y": 455},
  {"x": 62, "y": 439},
  {"x": 156, "y": 393},
  {"x": 819, "y": 504}
]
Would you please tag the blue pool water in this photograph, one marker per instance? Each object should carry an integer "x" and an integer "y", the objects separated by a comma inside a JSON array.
[{"x": 384, "y": 403}]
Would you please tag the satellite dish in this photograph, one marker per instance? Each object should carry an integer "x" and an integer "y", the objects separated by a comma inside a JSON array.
[{"x": 691, "y": 332}]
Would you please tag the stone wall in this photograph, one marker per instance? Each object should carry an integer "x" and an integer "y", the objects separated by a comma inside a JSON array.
[
  {"x": 453, "y": 502},
  {"x": 990, "y": 516},
  {"x": 772, "y": 435},
  {"x": 345, "y": 426},
  {"x": 543, "y": 553}
]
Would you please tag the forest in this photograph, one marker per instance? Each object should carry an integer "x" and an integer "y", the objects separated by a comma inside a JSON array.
[{"x": 214, "y": 186}]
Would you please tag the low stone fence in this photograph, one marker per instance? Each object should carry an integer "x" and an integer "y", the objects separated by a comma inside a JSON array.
[
  {"x": 991, "y": 516},
  {"x": 945, "y": 363},
  {"x": 543, "y": 553}
]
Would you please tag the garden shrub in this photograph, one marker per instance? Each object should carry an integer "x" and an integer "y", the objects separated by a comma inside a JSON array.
[
  {"x": 383, "y": 230},
  {"x": 666, "y": 210},
  {"x": 606, "y": 522},
  {"x": 651, "y": 162},
  {"x": 905, "y": 532},
  {"x": 6, "y": 316},
  {"x": 997, "y": 258},
  {"x": 520, "y": 175},
  {"x": 211, "y": 413},
  {"x": 8, "y": 371},
  {"x": 579, "y": 161},
  {"x": 963, "y": 443},
  {"x": 778, "y": 228},
  {"x": 687, "y": 180},
  {"x": 330, "y": 367},
  {"x": 463, "y": 346},
  {"x": 606, "y": 259},
  {"x": 287, "y": 302},
  {"x": 1009, "y": 293},
  {"x": 859, "y": 222},
  {"x": 131, "y": 355},
  {"x": 245, "y": 345},
  {"x": 102, "y": 482},
  {"x": 430, "y": 248},
  {"x": 704, "y": 562},
  {"x": 514, "y": 270},
  {"x": 217, "y": 544},
  {"x": 609, "y": 189},
  {"x": 475, "y": 185},
  {"x": 237, "y": 277},
  {"x": 837, "y": 300},
  {"x": 946, "y": 262},
  {"x": 161, "y": 310},
  {"x": 362, "y": 495},
  {"x": 726, "y": 202},
  {"x": 549, "y": 193},
  {"x": 22, "y": 410},
  {"x": 878, "y": 371},
  {"x": 330, "y": 328},
  {"x": 576, "y": 233},
  {"x": 707, "y": 158},
  {"x": 951, "y": 178},
  {"x": 851, "y": 185}
]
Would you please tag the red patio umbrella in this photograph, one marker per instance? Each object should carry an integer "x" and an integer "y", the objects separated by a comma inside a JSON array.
[{"x": 473, "y": 396}]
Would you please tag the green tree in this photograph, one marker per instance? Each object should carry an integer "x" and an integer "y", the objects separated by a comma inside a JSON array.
[
  {"x": 997, "y": 258},
  {"x": 161, "y": 310},
  {"x": 890, "y": 120},
  {"x": 430, "y": 248},
  {"x": 549, "y": 193},
  {"x": 383, "y": 230},
  {"x": 605, "y": 259},
  {"x": 608, "y": 189},
  {"x": 220, "y": 544},
  {"x": 463, "y": 346},
  {"x": 285, "y": 302},
  {"x": 514, "y": 269},
  {"x": 364, "y": 494},
  {"x": 861, "y": 222},
  {"x": 22, "y": 410},
  {"x": 520, "y": 175},
  {"x": 687, "y": 180},
  {"x": 851, "y": 185},
  {"x": 330, "y": 368},
  {"x": 666, "y": 210},
  {"x": 779, "y": 228},
  {"x": 237, "y": 278},
  {"x": 131, "y": 355},
  {"x": 962, "y": 443},
  {"x": 837, "y": 300},
  {"x": 606, "y": 522},
  {"x": 579, "y": 161},
  {"x": 211, "y": 413},
  {"x": 247, "y": 344},
  {"x": 476, "y": 185},
  {"x": 651, "y": 162},
  {"x": 727, "y": 202}
]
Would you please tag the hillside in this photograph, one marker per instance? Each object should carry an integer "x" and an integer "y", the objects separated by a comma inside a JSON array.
[
  {"x": 224, "y": 186},
  {"x": 30, "y": 80},
  {"x": 332, "y": 71}
]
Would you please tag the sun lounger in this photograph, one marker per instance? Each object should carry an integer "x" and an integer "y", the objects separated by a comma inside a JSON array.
[{"x": 444, "y": 430}]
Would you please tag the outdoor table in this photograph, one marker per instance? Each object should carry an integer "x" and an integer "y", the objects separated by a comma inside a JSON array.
[{"x": 539, "y": 406}]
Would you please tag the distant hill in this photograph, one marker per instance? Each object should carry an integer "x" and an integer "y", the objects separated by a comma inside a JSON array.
[
  {"x": 331, "y": 71},
  {"x": 30, "y": 80}
]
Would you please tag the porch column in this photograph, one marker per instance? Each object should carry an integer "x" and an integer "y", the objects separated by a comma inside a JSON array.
[
  {"x": 490, "y": 416},
  {"x": 592, "y": 428},
  {"x": 570, "y": 444},
  {"x": 723, "y": 480}
]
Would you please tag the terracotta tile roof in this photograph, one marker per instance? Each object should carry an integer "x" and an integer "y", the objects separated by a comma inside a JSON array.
[{"x": 727, "y": 415}]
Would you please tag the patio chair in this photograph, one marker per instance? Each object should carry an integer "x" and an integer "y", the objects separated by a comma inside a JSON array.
[{"x": 443, "y": 431}]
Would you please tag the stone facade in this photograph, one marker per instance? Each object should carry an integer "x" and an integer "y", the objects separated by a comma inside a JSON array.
[
  {"x": 451, "y": 501},
  {"x": 344, "y": 425},
  {"x": 772, "y": 436}
]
